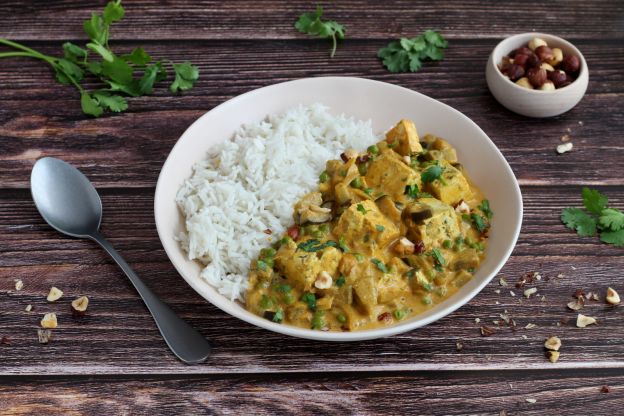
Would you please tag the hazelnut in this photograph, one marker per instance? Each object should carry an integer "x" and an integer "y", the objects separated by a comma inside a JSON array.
[
  {"x": 533, "y": 61},
  {"x": 547, "y": 67},
  {"x": 582, "y": 321},
  {"x": 570, "y": 64},
  {"x": 612, "y": 297},
  {"x": 404, "y": 246},
  {"x": 547, "y": 86},
  {"x": 521, "y": 51},
  {"x": 323, "y": 281},
  {"x": 536, "y": 43},
  {"x": 515, "y": 72},
  {"x": 544, "y": 53},
  {"x": 55, "y": 294},
  {"x": 537, "y": 76},
  {"x": 524, "y": 82},
  {"x": 521, "y": 59},
  {"x": 79, "y": 306},
  {"x": 49, "y": 321},
  {"x": 558, "y": 78},
  {"x": 553, "y": 356},
  {"x": 553, "y": 343},
  {"x": 557, "y": 57}
]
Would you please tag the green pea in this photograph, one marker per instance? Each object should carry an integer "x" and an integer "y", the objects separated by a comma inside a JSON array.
[
  {"x": 447, "y": 244},
  {"x": 324, "y": 177},
  {"x": 373, "y": 149},
  {"x": 356, "y": 183},
  {"x": 341, "y": 318}
]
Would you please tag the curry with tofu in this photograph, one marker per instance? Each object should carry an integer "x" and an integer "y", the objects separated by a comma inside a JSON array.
[{"x": 389, "y": 233}]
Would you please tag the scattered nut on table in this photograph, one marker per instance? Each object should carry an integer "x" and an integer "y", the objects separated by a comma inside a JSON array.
[
  {"x": 44, "y": 335},
  {"x": 582, "y": 321},
  {"x": 19, "y": 284},
  {"x": 79, "y": 306},
  {"x": 553, "y": 343},
  {"x": 612, "y": 297},
  {"x": 28, "y": 308},
  {"x": 55, "y": 294},
  {"x": 49, "y": 321},
  {"x": 553, "y": 356},
  {"x": 565, "y": 147}
]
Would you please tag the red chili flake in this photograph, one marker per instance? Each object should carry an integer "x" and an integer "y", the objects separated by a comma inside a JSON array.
[
  {"x": 344, "y": 157},
  {"x": 419, "y": 247},
  {"x": 605, "y": 389},
  {"x": 385, "y": 317},
  {"x": 526, "y": 279},
  {"x": 362, "y": 159},
  {"x": 579, "y": 293},
  {"x": 486, "y": 331},
  {"x": 5, "y": 340},
  {"x": 268, "y": 231},
  {"x": 293, "y": 232}
]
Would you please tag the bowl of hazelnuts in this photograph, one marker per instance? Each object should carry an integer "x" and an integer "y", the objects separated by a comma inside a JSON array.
[{"x": 537, "y": 75}]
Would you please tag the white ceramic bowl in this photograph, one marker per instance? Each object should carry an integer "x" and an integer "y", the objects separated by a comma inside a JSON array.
[
  {"x": 535, "y": 103},
  {"x": 382, "y": 103}
]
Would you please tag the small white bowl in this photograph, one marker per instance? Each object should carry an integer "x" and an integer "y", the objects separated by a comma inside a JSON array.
[
  {"x": 364, "y": 99},
  {"x": 535, "y": 103}
]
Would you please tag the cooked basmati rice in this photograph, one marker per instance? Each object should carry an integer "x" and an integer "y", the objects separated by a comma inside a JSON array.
[{"x": 249, "y": 184}]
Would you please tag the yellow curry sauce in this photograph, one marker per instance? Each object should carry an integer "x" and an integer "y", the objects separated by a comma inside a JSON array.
[{"x": 388, "y": 234}]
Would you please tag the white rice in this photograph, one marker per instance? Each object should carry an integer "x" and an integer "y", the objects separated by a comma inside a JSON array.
[{"x": 250, "y": 183}]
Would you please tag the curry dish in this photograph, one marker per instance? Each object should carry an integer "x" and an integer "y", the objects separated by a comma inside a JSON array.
[{"x": 388, "y": 234}]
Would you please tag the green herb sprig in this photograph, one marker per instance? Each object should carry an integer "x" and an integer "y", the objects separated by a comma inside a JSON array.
[
  {"x": 598, "y": 218},
  {"x": 133, "y": 74},
  {"x": 407, "y": 55},
  {"x": 311, "y": 24}
]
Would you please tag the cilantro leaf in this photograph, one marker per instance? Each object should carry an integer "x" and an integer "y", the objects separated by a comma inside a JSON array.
[
  {"x": 611, "y": 218},
  {"x": 96, "y": 29},
  {"x": 485, "y": 208},
  {"x": 438, "y": 257},
  {"x": 89, "y": 105},
  {"x": 113, "y": 12},
  {"x": 114, "y": 103},
  {"x": 314, "y": 245},
  {"x": 138, "y": 56},
  {"x": 594, "y": 201},
  {"x": 613, "y": 237},
  {"x": 185, "y": 76},
  {"x": 380, "y": 265},
  {"x": 71, "y": 69},
  {"x": 412, "y": 191},
  {"x": 310, "y": 299},
  {"x": 73, "y": 52},
  {"x": 479, "y": 222},
  {"x": 380, "y": 228},
  {"x": 361, "y": 208},
  {"x": 432, "y": 173},
  {"x": 407, "y": 55},
  {"x": 340, "y": 281},
  {"x": 578, "y": 220},
  {"x": 311, "y": 24},
  {"x": 104, "y": 52},
  {"x": 152, "y": 74}
]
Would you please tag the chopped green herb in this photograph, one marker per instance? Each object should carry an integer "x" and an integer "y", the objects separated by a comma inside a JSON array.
[
  {"x": 361, "y": 208},
  {"x": 313, "y": 245},
  {"x": 282, "y": 288},
  {"x": 310, "y": 300},
  {"x": 279, "y": 316},
  {"x": 368, "y": 191},
  {"x": 407, "y": 55},
  {"x": 411, "y": 191},
  {"x": 266, "y": 302},
  {"x": 356, "y": 183},
  {"x": 324, "y": 177},
  {"x": 471, "y": 270},
  {"x": 324, "y": 228},
  {"x": 431, "y": 174},
  {"x": 380, "y": 265},
  {"x": 438, "y": 258},
  {"x": 359, "y": 257},
  {"x": 479, "y": 222},
  {"x": 343, "y": 245},
  {"x": 380, "y": 228},
  {"x": 373, "y": 149},
  {"x": 400, "y": 314},
  {"x": 311, "y": 24},
  {"x": 485, "y": 208},
  {"x": 425, "y": 195},
  {"x": 392, "y": 145},
  {"x": 340, "y": 281}
]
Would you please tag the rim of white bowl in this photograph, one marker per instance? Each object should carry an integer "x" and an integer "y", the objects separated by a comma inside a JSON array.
[
  {"x": 224, "y": 304},
  {"x": 537, "y": 35}
]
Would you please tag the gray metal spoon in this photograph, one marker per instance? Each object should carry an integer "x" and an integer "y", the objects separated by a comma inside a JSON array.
[{"x": 69, "y": 203}]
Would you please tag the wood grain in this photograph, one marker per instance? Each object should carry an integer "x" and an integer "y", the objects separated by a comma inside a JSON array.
[
  {"x": 556, "y": 392},
  {"x": 118, "y": 336},
  {"x": 40, "y": 118},
  {"x": 62, "y": 20}
]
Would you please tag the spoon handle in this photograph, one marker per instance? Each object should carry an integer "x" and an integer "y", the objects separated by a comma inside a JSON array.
[{"x": 185, "y": 342}]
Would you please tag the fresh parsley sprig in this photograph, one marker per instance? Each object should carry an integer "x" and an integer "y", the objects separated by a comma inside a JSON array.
[
  {"x": 608, "y": 222},
  {"x": 311, "y": 24},
  {"x": 407, "y": 55},
  {"x": 133, "y": 74}
]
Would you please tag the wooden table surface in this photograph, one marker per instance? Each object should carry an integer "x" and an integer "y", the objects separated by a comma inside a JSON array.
[{"x": 113, "y": 361}]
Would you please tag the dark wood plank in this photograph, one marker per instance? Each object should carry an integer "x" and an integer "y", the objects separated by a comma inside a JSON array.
[
  {"x": 61, "y": 20},
  {"x": 40, "y": 118},
  {"x": 435, "y": 393},
  {"x": 118, "y": 336}
]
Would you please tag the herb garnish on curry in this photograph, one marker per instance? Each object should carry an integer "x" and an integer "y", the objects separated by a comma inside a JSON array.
[{"x": 389, "y": 233}]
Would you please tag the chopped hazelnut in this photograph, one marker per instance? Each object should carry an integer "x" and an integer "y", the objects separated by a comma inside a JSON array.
[
  {"x": 55, "y": 294},
  {"x": 565, "y": 147},
  {"x": 323, "y": 281},
  {"x": 553, "y": 356},
  {"x": 531, "y": 401},
  {"x": 582, "y": 321},
  {"x": 612, "y": 297},
  {"x": 530, "y": 291},
  {"x": 19, "y": 284},
  {"x": 79, "y": 306},
  {"x": 44, "y": 335},
  {"x": 49, "y": 321},
  {"x": 577, "y": 304},
  {"x": 28, "y": 308},
  {"x": 462, "y": 208},
  {"x": 351, "y": 153},
  {"x": 553, "y": 343},
  {"x": 407, "y": 159},
  {"x": 404, "y": 246}
]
